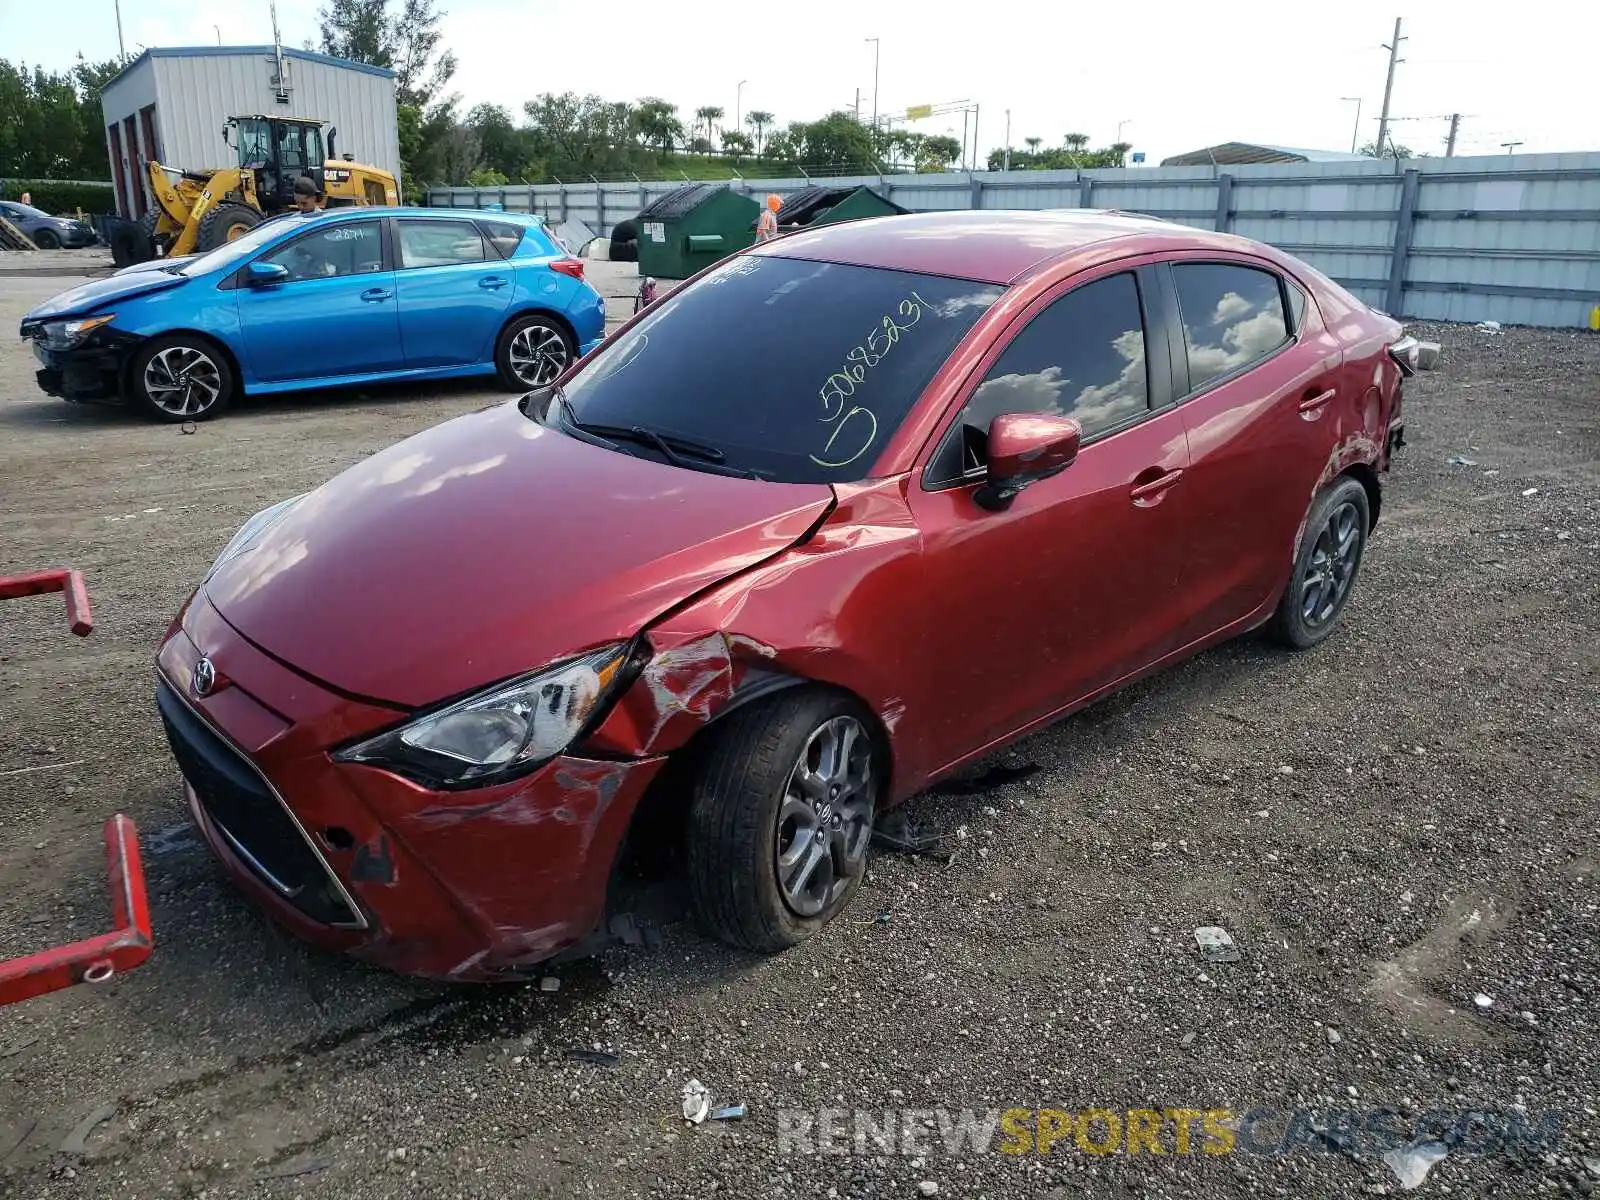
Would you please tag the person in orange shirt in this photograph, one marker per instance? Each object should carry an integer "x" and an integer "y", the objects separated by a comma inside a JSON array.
[{"x": 767, "y": 225}]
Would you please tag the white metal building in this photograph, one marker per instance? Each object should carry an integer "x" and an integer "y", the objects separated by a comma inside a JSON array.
[{"x": 170, "y": 104}]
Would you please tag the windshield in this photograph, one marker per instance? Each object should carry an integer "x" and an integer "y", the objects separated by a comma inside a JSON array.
[
  {"x": 25, "y": 210},
  {"x": 241, "y": 248},
  {"x": 798, "y": 370},
  {"x": 254, "y": 143}
]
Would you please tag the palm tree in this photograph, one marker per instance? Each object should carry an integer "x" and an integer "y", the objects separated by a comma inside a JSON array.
[
  {"x": 1033, "y": 144},
  {"x": 709, "y": 115},
  {"x": 759, "y": 121}
]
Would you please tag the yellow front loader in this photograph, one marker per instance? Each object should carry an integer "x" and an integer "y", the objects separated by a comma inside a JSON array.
[{"x": 196, "y": 211}]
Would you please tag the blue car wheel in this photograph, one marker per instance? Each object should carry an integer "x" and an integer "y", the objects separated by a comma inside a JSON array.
[
  {"x": 533, "y": 352},
  {"x": 181, "y": 378}
]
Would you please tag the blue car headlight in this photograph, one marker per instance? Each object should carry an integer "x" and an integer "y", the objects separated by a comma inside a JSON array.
[{"x": 62, "y": 335}]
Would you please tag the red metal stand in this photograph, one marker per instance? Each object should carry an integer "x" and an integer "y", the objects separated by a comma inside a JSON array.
[
  {"x": 96, "y": 959},
  {"x": 13, "y": 587}
]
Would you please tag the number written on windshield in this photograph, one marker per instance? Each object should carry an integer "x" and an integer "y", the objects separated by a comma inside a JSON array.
[{"x": 842, "y": 449}]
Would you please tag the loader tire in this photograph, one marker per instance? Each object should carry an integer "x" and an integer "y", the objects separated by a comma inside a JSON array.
[{"x": 224, "y": 223}]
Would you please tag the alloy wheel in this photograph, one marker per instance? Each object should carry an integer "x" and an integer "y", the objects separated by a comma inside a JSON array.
[
  {"x": 825, "y": 816},
  {"x": 182, "y": 381},
  {"x": 1331, "y": 567},
  {"x": 538, "y": 355}
]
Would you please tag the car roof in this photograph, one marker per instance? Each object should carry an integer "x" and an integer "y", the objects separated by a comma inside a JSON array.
[
  {"x": 354, "y": 212},
  {"x": 987, "y": 245}
]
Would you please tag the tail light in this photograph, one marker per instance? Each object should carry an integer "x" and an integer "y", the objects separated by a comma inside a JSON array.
[
  {"x": 568, "y": 266},
  {"x": 1407, "y": 353}
]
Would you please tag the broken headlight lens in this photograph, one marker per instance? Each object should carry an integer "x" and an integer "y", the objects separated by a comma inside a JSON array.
[{"x": 505, "y": 731}]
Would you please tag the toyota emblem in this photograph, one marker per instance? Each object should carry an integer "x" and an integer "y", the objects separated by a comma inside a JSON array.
[{"x": 205, "y": 677}]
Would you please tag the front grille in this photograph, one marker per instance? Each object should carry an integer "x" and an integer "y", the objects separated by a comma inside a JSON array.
[{"x": 249, "y": 816}]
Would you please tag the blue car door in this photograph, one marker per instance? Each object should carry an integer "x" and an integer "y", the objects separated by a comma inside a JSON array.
[
  {"x": 334, "y": 315},
  {"x": 453, "y": 289}
]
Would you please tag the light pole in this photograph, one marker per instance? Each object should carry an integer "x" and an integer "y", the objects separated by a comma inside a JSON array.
[
  {"x": 1008, "y": 141},
  {"x": 121, "y": 53},
  {"x": 1356, "y": 132},
  {"x": 1120, "y": 124},
  {"x": 875, "y": 49},
  {"x": 738, "y": 97}
]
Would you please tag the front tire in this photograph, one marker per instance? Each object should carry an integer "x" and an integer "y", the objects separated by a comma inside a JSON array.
[
  {"x": 533, "y": 351},
  {"x": 47, "y": 239},
  {"x": 1325, "y": 566},
  {"x": 181, "y": 378},
  {"x": 781, "y": 816}
]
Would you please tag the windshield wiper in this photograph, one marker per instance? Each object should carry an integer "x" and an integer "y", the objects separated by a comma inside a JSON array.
[{"x": 679, "y": 451}]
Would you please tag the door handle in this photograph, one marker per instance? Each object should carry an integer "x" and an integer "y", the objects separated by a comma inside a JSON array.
[
  {"x": 372, "y": 294},
  {"x": 1312, "y": 401},
  {"x": 1152, "y": 490},
  {"x": 491, "y": 282}
]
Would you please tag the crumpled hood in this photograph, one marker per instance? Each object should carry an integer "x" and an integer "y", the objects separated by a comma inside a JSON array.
[
  {"x": 489, "y": 546},
  {"x": 87, "y": 297}
]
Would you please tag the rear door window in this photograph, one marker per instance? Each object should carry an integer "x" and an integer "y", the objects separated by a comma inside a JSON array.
[
  {"x": 503, "y": 236},
  {"x": 1082, "y": 357},
  {"x": 440, "y": 243},
  {"x": 1232, "y": 316}
]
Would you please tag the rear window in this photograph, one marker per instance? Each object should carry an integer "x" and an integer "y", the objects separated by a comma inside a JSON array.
[
  {"x": 504, "y": 236},
  {"x": 799, "y": 370},
  {"x": 1232, "y": 316}
]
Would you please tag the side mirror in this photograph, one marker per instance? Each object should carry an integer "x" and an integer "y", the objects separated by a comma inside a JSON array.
[
  {"x": 265, "y": 274},
  {"x": 1023, "y": 449}
]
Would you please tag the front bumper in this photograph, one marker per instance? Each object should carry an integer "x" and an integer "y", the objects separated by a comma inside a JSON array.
[
  {"x": 90, "y": 371},
  {"x": 468, "y": 885}
]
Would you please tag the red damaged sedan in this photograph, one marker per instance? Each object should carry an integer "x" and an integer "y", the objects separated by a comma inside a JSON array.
[{"x": 826, "y": 523}]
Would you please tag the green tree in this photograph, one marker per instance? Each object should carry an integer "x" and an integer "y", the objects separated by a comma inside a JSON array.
[
  {"x": 736, "y": 143},
  {"x": 404, "y": 36},
  {"x": 1389, "y": 151},
  {"x": 759, "y": 120},
  {"x": 837, "y": 140},
  {"x": 937, "y": 153},
  {"x": 707, "y": 119},
  {"x": 656, "y": 123},
  {"x": 1033, "y": 144}
]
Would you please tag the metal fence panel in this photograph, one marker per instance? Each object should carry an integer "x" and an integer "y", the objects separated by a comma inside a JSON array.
[{"x": 1514, "y": 239}]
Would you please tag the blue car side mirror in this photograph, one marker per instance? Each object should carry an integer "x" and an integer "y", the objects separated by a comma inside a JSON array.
[{"x": 261, "y": 274}]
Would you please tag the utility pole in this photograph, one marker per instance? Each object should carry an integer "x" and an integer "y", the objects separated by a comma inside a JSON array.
[
  {"x": 1007, "y": 166},
  {"x": 964, "y": 115},
  {"x": 121, "y": 53},
  {"x": 858, "y": 106},
  {"x": 875, "y": 48},
  {"x": 1510, "y": 147},
  {"x": 974, "y": 137},
  {"x": 1450, "y": 142},
  {"x": 738, "y": 110},
  {"x": 1388, "y": 86},
  {"x": 1355, "y": 132}
]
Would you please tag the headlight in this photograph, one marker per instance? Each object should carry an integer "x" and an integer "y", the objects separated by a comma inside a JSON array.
[
  {"x": 69, "y": 333},
  {"x": 499, "y": 733},
  {"x": 253, "y": 529}
]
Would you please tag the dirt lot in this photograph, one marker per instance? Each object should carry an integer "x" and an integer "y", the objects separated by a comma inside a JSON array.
[{"x": 1388, "y": 826}]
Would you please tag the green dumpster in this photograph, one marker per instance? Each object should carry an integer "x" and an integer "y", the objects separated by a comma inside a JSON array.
[
  {"x": 692, "y": 227},
  {"x": 821, "y": 205}
]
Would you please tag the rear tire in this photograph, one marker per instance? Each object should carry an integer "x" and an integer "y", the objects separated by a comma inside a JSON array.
[
  {"x": 46, "y": 239},
  {"x": 533, "y": 351},
  {"x": 1325, "y": 566},
  {"x": 181, "y": 377},
  {"x": 781, "y": 816},
  {"x": 224, "y": 223}
]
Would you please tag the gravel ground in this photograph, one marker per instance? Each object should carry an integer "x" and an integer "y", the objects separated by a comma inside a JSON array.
[{"x": 1387, "y": 826}]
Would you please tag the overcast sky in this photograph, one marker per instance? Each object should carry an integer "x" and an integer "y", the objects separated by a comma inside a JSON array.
[{"x": 1181, "y": 75}]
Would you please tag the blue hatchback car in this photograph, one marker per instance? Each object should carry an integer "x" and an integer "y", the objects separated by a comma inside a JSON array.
[{"x": 351, "y": 296}]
